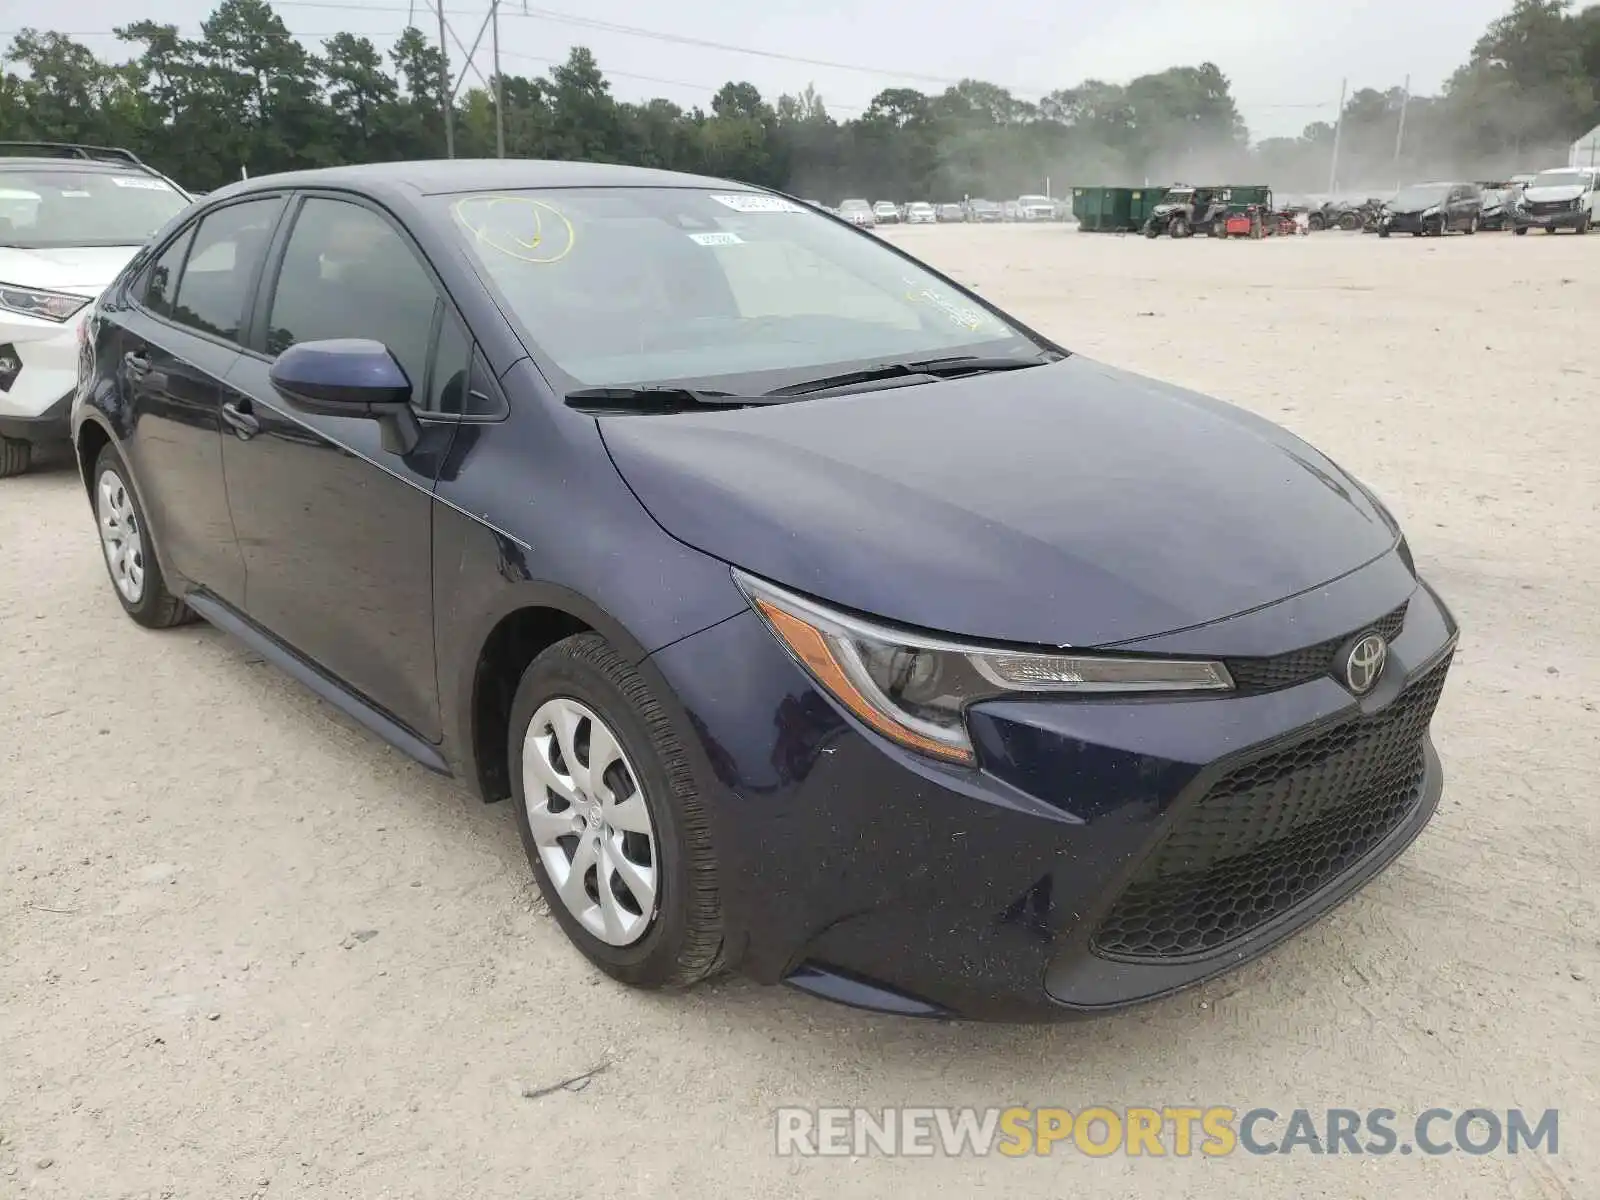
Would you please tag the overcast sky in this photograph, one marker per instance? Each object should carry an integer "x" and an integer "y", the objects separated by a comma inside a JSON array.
[{"x": 1285, "y": 57}]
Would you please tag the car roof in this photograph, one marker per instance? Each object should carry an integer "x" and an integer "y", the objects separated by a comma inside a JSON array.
[{"x": 445, "y": 175}]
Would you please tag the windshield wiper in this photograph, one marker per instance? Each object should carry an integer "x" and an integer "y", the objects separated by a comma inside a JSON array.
[
  {"x": 949, "y": 367},
  {"x": 658, "y": 398}
]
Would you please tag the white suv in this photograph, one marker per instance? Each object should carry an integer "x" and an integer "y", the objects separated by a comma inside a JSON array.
[
  {"x": 70, "y": 218},
  {"x": 1560, "y": 198}
]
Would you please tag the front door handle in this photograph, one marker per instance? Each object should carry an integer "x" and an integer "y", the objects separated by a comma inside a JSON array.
[{"x": 245, "y": 423}]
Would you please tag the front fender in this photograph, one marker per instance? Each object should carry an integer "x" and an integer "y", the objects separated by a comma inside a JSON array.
[{"x": 483, "y": 577}]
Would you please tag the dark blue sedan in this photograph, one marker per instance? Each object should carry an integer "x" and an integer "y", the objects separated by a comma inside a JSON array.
[{"x": 820, "y": 619}]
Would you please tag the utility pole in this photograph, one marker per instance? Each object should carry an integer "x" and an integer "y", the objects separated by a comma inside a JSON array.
[
  {"x": 1400, "y": 134},
  {"x": 446, "y": 92},
  {"x": 1338, "y": 129},
  {"x": 499, "y": 92}
]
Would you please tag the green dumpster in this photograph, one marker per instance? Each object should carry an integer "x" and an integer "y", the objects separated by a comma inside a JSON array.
[
  {"x": 1102, "y": 209},
  {"x": 1141, "y": 201}
]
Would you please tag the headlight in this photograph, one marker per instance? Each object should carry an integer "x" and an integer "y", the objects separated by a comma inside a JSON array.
[
  {"x": 1432, "y": 212},
  {"x": 31, "y": 302},
  {"x": 914, "y": 689}
]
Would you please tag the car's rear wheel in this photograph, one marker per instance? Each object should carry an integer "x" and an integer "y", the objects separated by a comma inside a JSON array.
[
  {"x": 15, "y": 456},
  {"x": 128, "y": 548},
  {"x": 611, "y": 818}
]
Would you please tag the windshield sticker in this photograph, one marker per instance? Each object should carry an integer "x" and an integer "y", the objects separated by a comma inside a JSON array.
[
  {"x": 144, "y": 185},
  {"x": 716, "y": 239},
  {"x": 959, "y": 314},
  {"x": 528, "y": 230},
  {"x": 746, "y": 203}
]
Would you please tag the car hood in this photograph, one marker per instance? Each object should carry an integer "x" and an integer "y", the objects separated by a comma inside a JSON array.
[
  {"x": 85, "y": 270},
  {"x": 1072, "y": 504},
  {"x": 1547, "y": 195},
  {"x": 1411, "y": 210}
]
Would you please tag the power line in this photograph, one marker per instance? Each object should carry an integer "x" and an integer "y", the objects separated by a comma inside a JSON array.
[
  {"x": 597, "y": 25},
  {"x": 545, "y": 14},
  {"x": 709, "y": 88},
  {"x": 682, "y": 83}
]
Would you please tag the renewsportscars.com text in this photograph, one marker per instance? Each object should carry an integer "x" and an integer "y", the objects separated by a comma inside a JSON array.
[{"x": 1159, "y": 1132}]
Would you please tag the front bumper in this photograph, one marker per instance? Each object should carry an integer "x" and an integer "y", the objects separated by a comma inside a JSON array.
[
  {"x": 1410, "y": 223},
  {"x": 38, "y": 375},
  {"x": 52, "y": 424},
  {"x": 1564, "y": 219},
  {"x": 1106, "y": 853}
]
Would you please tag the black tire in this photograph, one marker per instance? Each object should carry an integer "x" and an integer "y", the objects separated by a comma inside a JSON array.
[
  {"x": 1150, "y": 229},
  {"x": 157, "y": 607},
  {"x": 1582, "y": 227},
  {"x": 1549, "y": 228},
  {"x": 1179, "y": 228},
  {"x": 1383, "y": 233},
  {"x": 1521, "y": 230},
  {"x": 1472, "y": 226},
  {"x": 1317, "y": 223},
  {"x": 15, "y": 457},
  {"x": 684, "y": 943}
]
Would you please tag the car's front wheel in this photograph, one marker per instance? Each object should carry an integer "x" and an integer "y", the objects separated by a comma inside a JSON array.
[
  {"x": 126, "y": 541},
  {"x": 611, "y": 818},
  {"x": 15, "y": 456}
]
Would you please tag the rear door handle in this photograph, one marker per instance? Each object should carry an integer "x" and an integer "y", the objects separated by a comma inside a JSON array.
[
  {"x": 245, "y": 423},
  {"x": 138, "y": 365}
]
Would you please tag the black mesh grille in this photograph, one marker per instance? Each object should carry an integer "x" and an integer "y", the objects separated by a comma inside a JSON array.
[
  {"x": 1274, "y": 832},
  {"x": 1297, "y": 666}
]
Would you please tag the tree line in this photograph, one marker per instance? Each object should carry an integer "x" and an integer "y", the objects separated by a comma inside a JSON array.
[{"x": 246, "y": 95}]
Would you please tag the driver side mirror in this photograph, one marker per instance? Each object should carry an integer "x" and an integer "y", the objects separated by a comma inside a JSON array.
[{"x": 350, "y": 377}]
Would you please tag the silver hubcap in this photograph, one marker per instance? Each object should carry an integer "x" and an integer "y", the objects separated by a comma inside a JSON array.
[
  {"x": 120, "y": 535},
  {"x": 589, "y": 821}
]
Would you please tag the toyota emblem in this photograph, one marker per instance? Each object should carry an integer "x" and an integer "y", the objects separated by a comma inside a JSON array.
[{"x": 1364, "y": 664}]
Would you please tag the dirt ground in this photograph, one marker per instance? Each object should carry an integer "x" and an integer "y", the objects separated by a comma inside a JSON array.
[{"x": 246, "y": 950}]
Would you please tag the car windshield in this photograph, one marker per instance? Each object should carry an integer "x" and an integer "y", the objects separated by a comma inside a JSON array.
[
  {"x": 1421, "y": 195},
  {"x": 1558, "y": 179},
  {"x": 633, "y": 286},
  {"x": 853, "y": 205},
  {"x": 53, "y": 207}
]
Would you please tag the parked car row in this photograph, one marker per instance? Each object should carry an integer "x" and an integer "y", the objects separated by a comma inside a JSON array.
[
  {"x": 974, "y": 209},
  {"x": 1557, "y": 198}
]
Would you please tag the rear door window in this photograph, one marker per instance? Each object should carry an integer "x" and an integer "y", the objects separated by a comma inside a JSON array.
[
  {"x": 224, "y": 262},
  {"x": 161, "y": 282}
]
